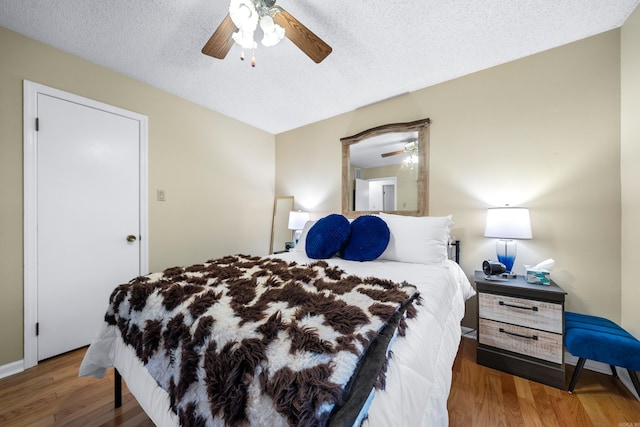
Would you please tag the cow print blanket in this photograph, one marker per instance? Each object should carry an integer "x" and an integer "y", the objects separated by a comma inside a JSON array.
[{"x": 255, "y": 341}]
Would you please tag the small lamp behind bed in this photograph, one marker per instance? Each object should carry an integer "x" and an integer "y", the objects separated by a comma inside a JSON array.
[
  {"x": 507, "y": 223},
  {"x": 297, "y": 220}
]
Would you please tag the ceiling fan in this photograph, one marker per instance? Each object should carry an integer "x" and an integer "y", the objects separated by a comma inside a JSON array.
[
  {"x": 392, "y": 153},
  {"x": 242, "y": 20},
  {"x": 410, "y": 147}
]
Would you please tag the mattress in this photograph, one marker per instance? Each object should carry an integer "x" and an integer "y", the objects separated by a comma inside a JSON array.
[{"x": 418, "y": 376}]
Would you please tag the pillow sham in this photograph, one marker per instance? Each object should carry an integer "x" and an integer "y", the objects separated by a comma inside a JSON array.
[
  {"x": 422, "y": 240},
  {"x": 368, "y": 240},
  {"x": 327, "y": 236}
]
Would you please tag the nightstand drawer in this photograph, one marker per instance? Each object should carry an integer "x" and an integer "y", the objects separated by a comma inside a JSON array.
[
  {"x": 521, "y": 311},
  {"x": 530, "y": 342}
]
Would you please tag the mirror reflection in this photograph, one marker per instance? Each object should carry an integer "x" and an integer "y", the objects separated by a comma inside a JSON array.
[{"x": 384, "y": 169}]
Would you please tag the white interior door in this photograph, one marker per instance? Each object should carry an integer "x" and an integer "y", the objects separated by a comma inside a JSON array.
[
  {"x": 389, "y": 197},
  {"x": 375, "y": 195},
  {"x": 362, "y": 195},
  {"x": 88, "y": 203}
]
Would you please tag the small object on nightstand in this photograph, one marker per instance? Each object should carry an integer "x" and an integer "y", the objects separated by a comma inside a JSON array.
[
  {"x": 520, "y": 328},
  {"x": 492, "y": 269},
  {"x": 539, "y": 273}
]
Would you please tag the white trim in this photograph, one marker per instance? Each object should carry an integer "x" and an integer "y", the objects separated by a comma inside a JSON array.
[
  {"x": 570, "y": 359},
  {"x": 603, "y": 368},
  {"x": 30, "y": 110},
  {"x": 11, "y": 368},
  {"x": 30, "y": 95},
  {"x": 469, "y": 333},
  {"x": 591, "y": 365}
]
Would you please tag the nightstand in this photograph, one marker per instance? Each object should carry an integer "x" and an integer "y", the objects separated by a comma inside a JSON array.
[{"x": 521, "y": 328}]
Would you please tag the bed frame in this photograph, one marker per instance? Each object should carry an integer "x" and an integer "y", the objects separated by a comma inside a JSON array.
[{"x": 454, "y": 251}]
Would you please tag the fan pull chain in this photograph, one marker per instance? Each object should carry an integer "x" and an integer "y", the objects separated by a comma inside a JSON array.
[{"x": 253, "y": 57}]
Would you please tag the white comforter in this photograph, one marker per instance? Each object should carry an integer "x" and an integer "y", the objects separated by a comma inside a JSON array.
[{"x": 418, "y": 375}]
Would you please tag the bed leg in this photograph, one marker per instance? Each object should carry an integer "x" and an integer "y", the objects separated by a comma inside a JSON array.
[{"x": 117, "y": 387}]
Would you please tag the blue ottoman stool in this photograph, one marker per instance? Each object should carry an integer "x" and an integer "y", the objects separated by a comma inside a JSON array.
[{"x": 599, "y": 339}]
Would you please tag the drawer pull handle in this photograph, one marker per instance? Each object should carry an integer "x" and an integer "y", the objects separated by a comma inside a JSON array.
[
  {"x": 517, "y": 306},
  {"x": 532, "y": 337}
]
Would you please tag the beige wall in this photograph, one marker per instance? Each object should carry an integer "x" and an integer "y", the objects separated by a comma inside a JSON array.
[
  {"x": 541, "y": 132},
  {"x": 218, "y": 173},
  {"x": 630, "y": 172}
]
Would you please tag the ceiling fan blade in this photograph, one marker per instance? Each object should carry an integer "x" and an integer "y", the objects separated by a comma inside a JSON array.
[
  {"x": 301, "y": 36},
  {"x": 220, "y": 42},
  {"x": 392, "y": 153}
]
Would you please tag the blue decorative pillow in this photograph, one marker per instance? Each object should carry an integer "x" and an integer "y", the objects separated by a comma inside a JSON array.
[
  {"x": 327, "y": 236},
  {"x": 369, "y": 238}
]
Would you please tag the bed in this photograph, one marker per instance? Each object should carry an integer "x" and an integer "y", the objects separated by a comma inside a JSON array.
[{"x": 393, "y": 369}]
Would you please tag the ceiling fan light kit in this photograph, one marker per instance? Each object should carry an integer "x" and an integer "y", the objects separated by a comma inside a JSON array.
[
  {"x": 242, "y": 21},
  {"x": 273, "y": 32}
]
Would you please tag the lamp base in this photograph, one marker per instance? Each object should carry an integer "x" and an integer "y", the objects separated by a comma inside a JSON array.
[
  {"x": 296, "y": 237},
  {"x": 506, "y": 251},
  {"x": 496, "y": 278},
  {"x": 504, "y": 277}
]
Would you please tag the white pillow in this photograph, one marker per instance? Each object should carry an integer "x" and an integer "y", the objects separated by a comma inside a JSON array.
[
  {"x": 422, "y": 240},
  {"x": 300, "y": 247}
]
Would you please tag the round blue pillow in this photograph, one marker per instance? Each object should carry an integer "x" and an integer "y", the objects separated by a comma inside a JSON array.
[
  {"x": 369, "y": 238},
  {"x": 327, "y": 236}
]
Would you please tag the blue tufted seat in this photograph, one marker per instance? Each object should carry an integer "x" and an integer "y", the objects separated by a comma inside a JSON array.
[{"x": 600, "y": 339}]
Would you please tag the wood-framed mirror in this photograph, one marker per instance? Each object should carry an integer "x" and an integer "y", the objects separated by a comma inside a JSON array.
[
  {"x": 385, "y": 168},
  {"x": 280, "y": 233}
]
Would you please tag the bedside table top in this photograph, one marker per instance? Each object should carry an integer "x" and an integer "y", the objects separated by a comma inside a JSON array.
[{"x": 519, "y": 287}]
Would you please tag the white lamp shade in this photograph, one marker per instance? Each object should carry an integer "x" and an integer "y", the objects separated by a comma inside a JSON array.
[
  {"x": 508, "y": 223},
  {"x": 297, "y": 220}
]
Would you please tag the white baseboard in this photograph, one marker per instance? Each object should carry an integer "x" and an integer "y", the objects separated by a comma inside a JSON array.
[
  {"x": 11, "y": 368},
  {"x": 603, "y": 368},
  {"x": 469, "y": 333},
  {"x": 570, "y": 359}
]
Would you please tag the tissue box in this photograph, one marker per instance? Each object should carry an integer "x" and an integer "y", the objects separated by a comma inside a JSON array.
[{"x": 540, "y": 277}]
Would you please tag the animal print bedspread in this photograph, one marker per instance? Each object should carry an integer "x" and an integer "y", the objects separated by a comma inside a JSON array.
[{"x": 246, "y": 340}]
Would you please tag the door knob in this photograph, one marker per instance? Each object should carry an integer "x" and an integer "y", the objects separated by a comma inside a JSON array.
[{"x": 131, "y": 238}]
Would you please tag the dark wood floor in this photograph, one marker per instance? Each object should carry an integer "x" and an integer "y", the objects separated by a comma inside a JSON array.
[{"x": 52, "y": 394}]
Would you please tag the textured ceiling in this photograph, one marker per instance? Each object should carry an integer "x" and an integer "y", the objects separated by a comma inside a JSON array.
[{"x": 381, "y": 48}]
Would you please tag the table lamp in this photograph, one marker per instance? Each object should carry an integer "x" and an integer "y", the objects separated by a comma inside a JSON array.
[
  {"x": 508, "y": 223},
  {"x": 297, "y": 220}
]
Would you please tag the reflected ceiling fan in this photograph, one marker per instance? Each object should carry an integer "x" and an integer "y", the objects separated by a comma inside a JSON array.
[
  {"x": 242, "y": 21},
  {"x": 410, "y": 147},
  {"x": 392, "y": 153}
]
